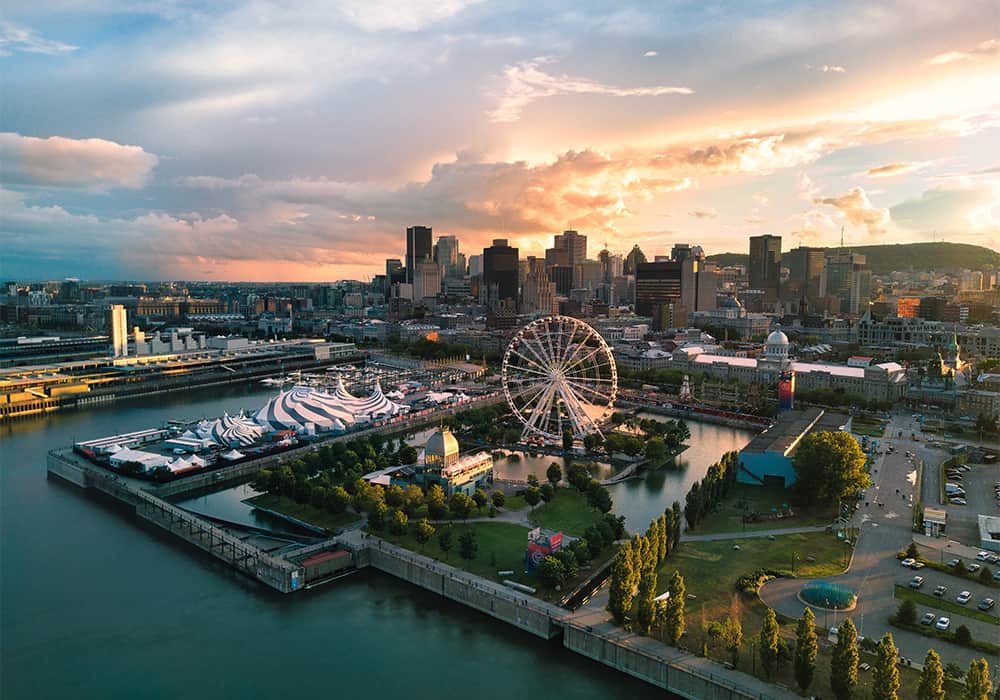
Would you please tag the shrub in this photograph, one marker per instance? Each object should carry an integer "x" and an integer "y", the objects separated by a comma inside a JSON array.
[
  {"x": 963, "y": 636},
  {"x": 751, "y": 583}
]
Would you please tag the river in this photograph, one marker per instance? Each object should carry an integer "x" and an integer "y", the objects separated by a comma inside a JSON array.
[{"x": 94, "y": 606}]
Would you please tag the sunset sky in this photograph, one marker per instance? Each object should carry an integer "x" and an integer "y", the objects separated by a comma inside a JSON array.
[{"x": 271, "y": 140}]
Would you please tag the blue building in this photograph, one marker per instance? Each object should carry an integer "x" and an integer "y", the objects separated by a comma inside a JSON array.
[{"x": 767, "y": 459}]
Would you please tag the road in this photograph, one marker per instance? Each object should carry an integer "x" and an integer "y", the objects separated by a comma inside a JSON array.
[{"x": 885, "y": 522}]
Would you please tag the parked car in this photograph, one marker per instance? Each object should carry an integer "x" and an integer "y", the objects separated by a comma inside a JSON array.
[
  {"x": 908, "y": 562},
  {"x": 943, "y": 623},
  {"x": 918, "y": 565},
  {"x": 996, "y": 575},
  {"x": 963, "y": 597},
  {"x": 916, "y": 582},
  {"x": 973, "y": 567},
  {"x": 940, "y": 591},
  {"x": 958, "y": 502},
  {"x": 928, "y": 619},
  {"x": 952, "y": 562},
  {"x": 982, "y": 556},
  {"x": 986, "y": 604}
]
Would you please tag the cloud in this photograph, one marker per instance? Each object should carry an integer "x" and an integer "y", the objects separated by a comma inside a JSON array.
[
  {"x": 954, "y": 209},
  {"x": 526, "y": 82},
  {"x": 761, "y": 199},
  {"x": 707, "y": 213},
  {"x": 14, "y": 38},
  {"x": 979, "y": 52},
  {"x": 410, "y": 16},
  {"x": 858, "y": 210},
  {"x": 89, "y": 164},
  {"x": 650, "y": 54},
  {"x": 827, "y": 68},
  {"x": 894, "y": 169}
]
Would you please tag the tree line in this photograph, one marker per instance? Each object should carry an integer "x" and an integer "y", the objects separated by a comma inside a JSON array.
[{"x": 704, "y": 495}]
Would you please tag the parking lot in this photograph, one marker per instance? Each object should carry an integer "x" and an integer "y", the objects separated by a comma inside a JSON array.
[
  {"x": 978, "y": 483},
  {"x": 953, "y": 587}
]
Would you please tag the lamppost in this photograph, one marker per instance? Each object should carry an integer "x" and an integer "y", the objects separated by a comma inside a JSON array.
[{"x": 795, "y": 556}]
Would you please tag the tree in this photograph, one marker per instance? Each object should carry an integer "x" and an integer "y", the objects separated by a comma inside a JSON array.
[
  {"x": 963, "y": 636},
  {"x": 977, "y": 681},
  {"x": 499, "y": 498},
  {"x": 444, "y": 541},
  {"x": 394, "y": 496},
  {"x": 547, "y": 492},
  {"x": 985, "y": 576},
  {"x": 646, "y": 610},
  {"x": 435, "y": 502},
  {"x": 551, "y": 571},
  {"x": 675, "y": 530},
  {"x": 673, "y": 614},
  {"x": 906, "y": 614},
  {"x": 599, "y": 497},
  {"x": 663, "y": 538},
  {"x": 397, "y": 522},
  {"x": 467, "y": 545},
  {"x": 578, "y": 477},
  {"x": 912, "y": 552},
  {"x": 413, "y": 498},
  {"x": 460, "y": 505},
  {"x": 844, "y": 661},
  {"x": 620, "y": 586},
  {"x": 806, "y": 649},
  {"x": 532, "y": 480},
  {"x": 337, "y": 499},
  {"x": 567, "y": 440},
  {"x": 729, "y": 634},
  {"x": 532, "y": 496},
  {"x": 768, "y": 642},
  {"x": 885, "y": 673},
  {"x": 480, "y": 498},
  {"x": 407, "y": 455},
  {"x": 655, "y": 450},
  {"x": 931, "y": 678},
  {"x": 554, "y": 473},
  {"x": 423, "y": 532},
  {"x": 569, "y": 561},
  {"x": 829, "y": 467}
]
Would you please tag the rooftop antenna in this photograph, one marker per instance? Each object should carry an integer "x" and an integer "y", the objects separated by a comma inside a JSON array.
[{"x": 841, "y": 236}]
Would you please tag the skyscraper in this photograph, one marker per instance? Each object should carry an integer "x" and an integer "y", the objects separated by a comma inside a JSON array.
[
  {"x": 633, "y": 259},
  {"x": 475, "y": 265},
  {"x": 119, "y": 331},
  {"x": 765, "y": 265},
  {"x": 847, "y": 278},
  {"x": 805, "y": 272},
  {"x": 669, "y": 290},
  {"x": 418, "y": 247},
  {"x": 575, "y": 246},
  {"x": 426, "y": 280},
  {"x": 446, "y": 255},
  {"x": 500, "y": 272}
]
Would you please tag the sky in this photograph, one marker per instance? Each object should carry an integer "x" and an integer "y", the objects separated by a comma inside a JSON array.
[{"x": 271, "y": 140}]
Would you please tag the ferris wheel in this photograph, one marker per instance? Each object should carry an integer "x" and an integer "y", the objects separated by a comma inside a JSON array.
[{"x": 559, "y": 374}]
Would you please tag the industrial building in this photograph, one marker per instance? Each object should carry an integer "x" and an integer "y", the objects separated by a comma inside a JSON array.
[{"x": 767, "y": 459}]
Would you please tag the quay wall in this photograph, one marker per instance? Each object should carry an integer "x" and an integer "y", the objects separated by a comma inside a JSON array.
[
  {"x": 654, "y": 669},
  {"x": 687, "y": 415},
  {"x": 521, "y": 611}
]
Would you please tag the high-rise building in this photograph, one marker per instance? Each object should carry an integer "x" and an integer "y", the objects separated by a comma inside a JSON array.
[
  {"x": 846, "y": 277},
  {"x": 680, "y": 252},
  {"x": 805, "y": 273},
  {"x": 500, "y": 272},
  {"x": 562, "y": 277},
  {"x": 394, "y": 273},
  {"x": 588, "y": 274},
  {"x": 537, "y": 293},
  {"x": 426, "y": 280},
  {"x": 765, "y": 265},
  {"x": 446, "y": 255},
  {"x": 671, "y": 289},
  {"x": 908, "y": 307},
  {"x": 574, "y": 244},
  {"x": 119, "y": 331},
  {"x": 633, "y": 259},
  {"x": 418, "y": 247},
  {"x": 475, "y": 265}
]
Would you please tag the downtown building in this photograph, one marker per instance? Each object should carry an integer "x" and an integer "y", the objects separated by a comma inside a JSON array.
[{"x": 669, "y": 290}]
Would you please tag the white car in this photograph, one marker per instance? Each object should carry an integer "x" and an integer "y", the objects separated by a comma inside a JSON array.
[
  {"x": 983, "y": 556},
  {"x": 908, "y": 562},
  {"x": 943, "y": 623},
  {"x": 963, "y": 597}
]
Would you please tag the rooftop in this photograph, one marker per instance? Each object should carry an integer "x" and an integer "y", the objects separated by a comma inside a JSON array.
[{"x": 784, "y": 435}]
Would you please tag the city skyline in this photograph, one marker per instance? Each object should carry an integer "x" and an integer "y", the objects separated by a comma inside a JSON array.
[{"x": 257, "y": 142}]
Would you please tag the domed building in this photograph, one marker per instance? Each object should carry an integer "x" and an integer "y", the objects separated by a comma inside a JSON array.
[
  {"x": 441, "y": 450},
  {"x": 776, "y": 346},
  {"x": 444, "y": 465}
]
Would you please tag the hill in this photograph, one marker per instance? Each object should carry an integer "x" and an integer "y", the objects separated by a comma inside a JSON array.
[{"x": 883, "y": 259}]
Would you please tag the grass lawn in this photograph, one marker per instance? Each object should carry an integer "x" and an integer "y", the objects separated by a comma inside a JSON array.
[
  {"x": 514, "y": 503},
  {"x": 863, "y": 425},
  {"x": 308, "y": 513},
  {"x": 905, "y": 593},
  {"x": 728, "y": 517},
  {"x": 568, "y": 512}
]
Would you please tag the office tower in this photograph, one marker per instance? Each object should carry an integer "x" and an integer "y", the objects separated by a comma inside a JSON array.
[
  {"x": 538, "y": 293},
  {"x": 588, "y": 274},
  {"x": 612, "y": 265},
  {"x": 574, "y": 244},
  {"x": 562, "y": 277},
  {"x": 69, "y": 290},
  {"x": 805, "y": 273},
  {"x": 500, "y": 272},
  {"x": 418, "y": 247},
  {"x": 680, "y": 252},
  {"x": 669, "y": 290},
  {"x": 765, "y": 265},
  {"x": 426, "y": 280},
  {"x": 119, "y": 331},
  {"x": 633, "y": 260},
  {"x": 446, "y": 255},
  {"x": 846, "y": 277},
  {"x": 475, "y": 265},
  {"x": 394, "y": 273},
  {"x": 556, "y": 256},
  {"x": 460, "y": 267}
]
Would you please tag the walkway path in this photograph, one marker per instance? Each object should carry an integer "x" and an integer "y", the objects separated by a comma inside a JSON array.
[{"x": 715, "y": 536}]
